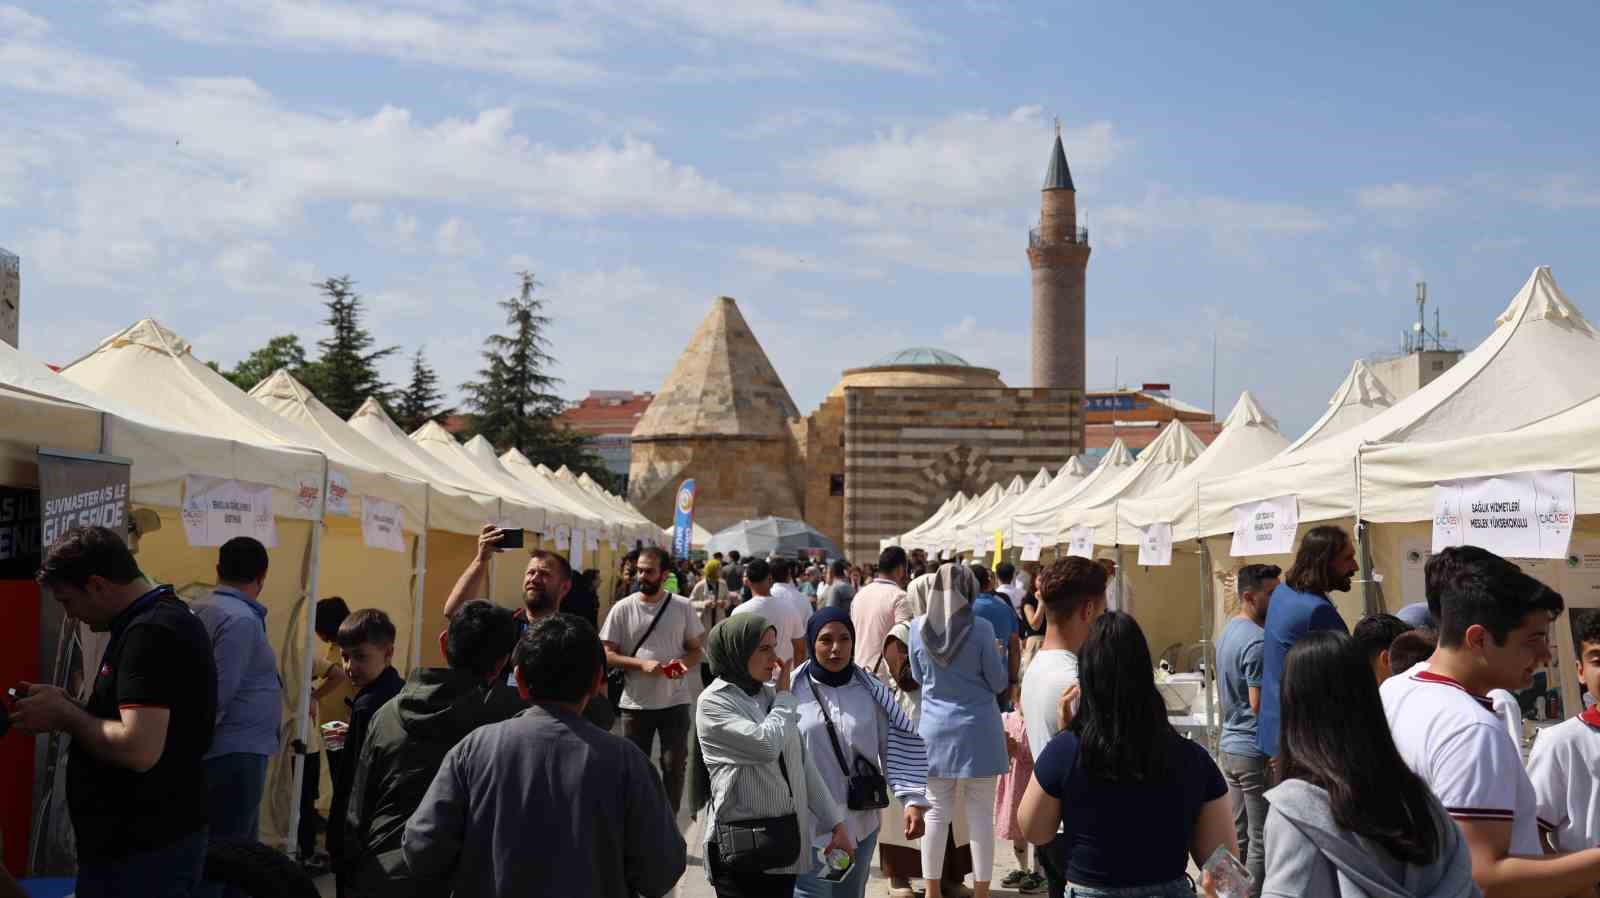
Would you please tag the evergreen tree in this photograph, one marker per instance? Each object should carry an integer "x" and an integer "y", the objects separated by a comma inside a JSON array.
[
  {"x": 511, "y": 400},
  {"x": 347, "y": 372},
  {"x": 280, "y": 352},
  {"x": 421, "y": 400}
]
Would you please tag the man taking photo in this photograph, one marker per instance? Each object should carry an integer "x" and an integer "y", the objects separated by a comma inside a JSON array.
[{"x": 136, "y": 784}]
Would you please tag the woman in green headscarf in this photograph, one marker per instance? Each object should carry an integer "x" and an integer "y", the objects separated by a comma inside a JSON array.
[{"x": 749, "y": 739}]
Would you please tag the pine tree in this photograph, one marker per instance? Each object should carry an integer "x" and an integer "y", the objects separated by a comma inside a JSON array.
[
  {"x": 421, "y": 401},
  {"x": 347, "y": 372},
  {"x": 511, "y": 400},
  {"x": 280, "y": 352}
]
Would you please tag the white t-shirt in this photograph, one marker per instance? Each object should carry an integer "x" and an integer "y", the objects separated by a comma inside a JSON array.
[
  {"x": 1013, "y": 592},
  {"x": 1049, "y": 674},
  {"x": 781, "y": 615},
  {"x": 797, "y": 600},
  {"x": 1460, "y": 747},
  {"x": 627, "y": 622},
  {"x": 1565, "y": 769}
]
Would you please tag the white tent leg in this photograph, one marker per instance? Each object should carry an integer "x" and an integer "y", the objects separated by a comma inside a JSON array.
[
  {"x": 419, "y": 574},
  {"x": 1207, "y": 650},
  {"x": 303, "y": 703}
]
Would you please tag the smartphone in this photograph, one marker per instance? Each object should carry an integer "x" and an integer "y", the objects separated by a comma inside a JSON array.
[
  {"x": 511, "y": 538},
  {"x": 674, "y": 669}
]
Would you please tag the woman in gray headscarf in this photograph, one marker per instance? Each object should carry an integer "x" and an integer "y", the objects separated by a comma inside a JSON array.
[{"x": 954, "y": 657}]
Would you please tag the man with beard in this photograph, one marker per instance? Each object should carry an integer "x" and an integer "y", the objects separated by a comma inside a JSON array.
[
  {"x": 654, "y": 638},
  {"x": 1300, "y": 605},
  {"x": 545, "y": 585}
]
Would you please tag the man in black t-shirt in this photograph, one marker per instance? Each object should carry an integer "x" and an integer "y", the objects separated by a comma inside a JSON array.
[{"x": 136, "y": 786}]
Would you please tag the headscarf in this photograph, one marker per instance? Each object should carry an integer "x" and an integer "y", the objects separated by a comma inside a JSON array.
[
  {"x": 730, "y": 645},
  {"x": 919, "y": 591},
  {"x": 826, "y": 677},
  {"x": 949, "y": 616}
]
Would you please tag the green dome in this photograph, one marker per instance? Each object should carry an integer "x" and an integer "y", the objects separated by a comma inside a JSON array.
[{"x": 921, "y": 355}]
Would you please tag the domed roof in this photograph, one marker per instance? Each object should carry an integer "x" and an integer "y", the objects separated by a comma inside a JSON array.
[{"x": 921, "y": 355}]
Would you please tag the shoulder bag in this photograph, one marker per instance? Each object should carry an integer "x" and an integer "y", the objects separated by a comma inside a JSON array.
[
  {"x": 762, "y": 843},
  {"x": 866, "y": 789},
  {"x": 617, "y": 678}
]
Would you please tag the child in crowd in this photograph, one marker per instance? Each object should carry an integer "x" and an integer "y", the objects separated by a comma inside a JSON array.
[
  {"x": 366, "y": 643},
  {"x": 330, "y": 695},
  {"x": 1411, "y": 648},
  {"x": 1565, "y": 764},
  {"x": 1027, "y": 878},
  {"x": 1373, "y": 635}
]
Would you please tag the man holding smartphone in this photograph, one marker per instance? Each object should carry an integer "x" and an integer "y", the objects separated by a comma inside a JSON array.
[{"x": 655, "y": 638}]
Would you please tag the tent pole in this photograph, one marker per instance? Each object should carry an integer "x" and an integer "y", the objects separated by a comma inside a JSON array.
[
  {"x": 1207, "y": 624},
  {"x": 303, "y": 702},
  {"x": 418, "y": 577},
  {"x": 1371, "y": 601}
]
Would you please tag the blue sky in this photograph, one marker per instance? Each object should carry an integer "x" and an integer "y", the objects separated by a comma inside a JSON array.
[{"x": 860, "y": 175}]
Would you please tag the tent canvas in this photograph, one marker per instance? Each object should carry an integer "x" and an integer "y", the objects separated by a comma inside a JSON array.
[
  {"x": 760, "y": 537},
  {"x": 1163, "y": 459},
  {"x": 698, "y": 537},
  {"x": 519, "y": 505},
  {"x": 481, "y": 452},
  {"x": 1042, "y": 516}
]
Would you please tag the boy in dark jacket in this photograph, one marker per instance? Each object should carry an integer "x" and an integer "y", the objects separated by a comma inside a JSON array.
[
  {"x": 366, "y": 643},
  {"x": 407, "y": 740}
]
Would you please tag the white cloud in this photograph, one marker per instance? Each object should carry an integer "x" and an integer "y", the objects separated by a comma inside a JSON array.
[
  {"x": 859, "y": 32},
  {"x": 365, "y": 213},
  {"x": 457, "y": 238},
  {"x": 787, "y": 122},
  {"x": 1392, "y": 273},
  {"x": 1232, "y": 225},
  {"x": 1402, "y": 197},
  {"x": 1562, "y": 192},
  {"x": 973, "y": 159}
]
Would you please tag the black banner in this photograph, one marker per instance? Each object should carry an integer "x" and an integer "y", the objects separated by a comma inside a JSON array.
[
  {"x": 77, "y": 490},
  {"x": 19, "y": 533}
]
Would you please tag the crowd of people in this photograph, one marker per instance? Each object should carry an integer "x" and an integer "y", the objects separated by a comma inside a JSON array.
[{"x": 917, "y": 713}]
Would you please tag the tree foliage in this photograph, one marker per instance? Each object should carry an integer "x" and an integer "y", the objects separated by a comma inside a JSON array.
[
  {"x": 421, "y": 401},
  {"x": 347, "y": 372},
  {"x": 280, "y": 352}
]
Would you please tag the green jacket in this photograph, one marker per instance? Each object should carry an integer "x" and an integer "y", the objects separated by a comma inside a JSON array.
[{"x": 406, "y": 742}]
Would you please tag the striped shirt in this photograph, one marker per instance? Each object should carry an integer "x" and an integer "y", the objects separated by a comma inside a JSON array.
[{"x": 741, "y": 738}]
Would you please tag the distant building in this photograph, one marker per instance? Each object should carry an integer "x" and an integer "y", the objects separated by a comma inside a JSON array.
[
  {"x": 607, "y": 418},
  {"x": 10, "y": 297},
  {"x": 1406, "y": 374},
  {"x": 1136, "y": 417}
]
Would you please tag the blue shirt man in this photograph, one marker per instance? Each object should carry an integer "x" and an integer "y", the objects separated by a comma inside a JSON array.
[
  {"x": 996, "y": 609},
  {"x": 1300, "y": 605},
  {"x": 249, "y": 693}
]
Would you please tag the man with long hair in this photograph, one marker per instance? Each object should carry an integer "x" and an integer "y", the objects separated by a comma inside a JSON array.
[
  {"x": 1300, "y": 605},
  {"x": 1494, "y": 626}
]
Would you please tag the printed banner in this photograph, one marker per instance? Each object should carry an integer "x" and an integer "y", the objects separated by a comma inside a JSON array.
[
  {"x": 683, "y": 520},
  {"x": 981, "y": 542},
  {"x": 339, "y": 494},
  {"x": 1032, "y": 543},
  {"x": 580, "y": 542},
  {"x": 1266, "y": 527},
  {"x": 76, "y": 490},
  {"x": 382, "y": 523},
  {"x": 217, "y": 510},
  {"x": 1155, "y": 545},
  {"x": 563, "y": 538},
  {"x": 1080, "y": 542},
  {"x": 20, "y": 544},
  {"x": 309, "y": 491},
  {"x": 1526, "y": 515}
]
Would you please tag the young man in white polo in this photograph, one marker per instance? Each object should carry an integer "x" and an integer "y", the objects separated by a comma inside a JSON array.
[
  {"x": 1565, "y": 765},
  {"x": 1493, "y": 634}
]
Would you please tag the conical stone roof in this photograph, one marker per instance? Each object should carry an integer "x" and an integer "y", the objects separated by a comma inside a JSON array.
[{"x": 723, "y": 385}]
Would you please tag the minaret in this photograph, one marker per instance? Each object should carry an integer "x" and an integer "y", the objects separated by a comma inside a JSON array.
[{"x": 1058, "y": 253}]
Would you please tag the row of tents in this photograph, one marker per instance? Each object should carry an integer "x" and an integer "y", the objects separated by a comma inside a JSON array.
[
  {"x": 1526, "y": 399},
  {"x": 143, "y": 396}
]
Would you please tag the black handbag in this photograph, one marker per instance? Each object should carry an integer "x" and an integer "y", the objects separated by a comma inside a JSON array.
[
  {"x": 617, "y": 678},
  {"x": 866, "y": 789},
  {"x": 762, "y": 843}
]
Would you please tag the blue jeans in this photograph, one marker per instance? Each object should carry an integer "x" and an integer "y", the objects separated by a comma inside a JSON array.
[
  {"x": 234, "y": 784},
  {"x": 171, "y": 871},
  {"x": 854, "y": 884},
  {"x": 1177, "y": 888}
]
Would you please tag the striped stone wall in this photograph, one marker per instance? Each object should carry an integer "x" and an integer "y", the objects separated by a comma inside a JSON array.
[{"x": 908, "y": 449}]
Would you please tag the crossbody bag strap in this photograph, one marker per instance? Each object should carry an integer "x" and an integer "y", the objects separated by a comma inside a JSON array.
[
  {"x": 660, "y": 612},
  {"x": 833, "y": 734}
]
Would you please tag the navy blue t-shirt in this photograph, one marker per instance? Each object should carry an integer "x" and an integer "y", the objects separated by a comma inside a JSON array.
[{"x": 1129, "y": 834}]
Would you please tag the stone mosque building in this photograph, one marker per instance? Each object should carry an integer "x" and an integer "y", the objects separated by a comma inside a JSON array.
[{"x": 893, "y": 439}]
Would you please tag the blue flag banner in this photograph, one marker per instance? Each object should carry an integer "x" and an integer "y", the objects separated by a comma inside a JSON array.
[{"x": 683, "y": 520}]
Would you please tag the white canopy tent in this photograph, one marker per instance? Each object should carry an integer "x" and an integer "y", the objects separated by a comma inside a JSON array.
[
  {"x": 639, "y": 523},
  {"x": 1538, "y": 362},
  {"x": 1074, "y": 468},
  {"x": 1167, "y": 455},
  {"x": 999, "y": 517},
  {"x": 955, "y": 535},
  {"x": 1042, "y": 516},
  {"x": 1359, "y": 399},
  {"x": 578, "y": 512},
  {"x": 698, "y": 537},
  {"x": 520, "y": 506},
  {"x": 955, "y": 503}
]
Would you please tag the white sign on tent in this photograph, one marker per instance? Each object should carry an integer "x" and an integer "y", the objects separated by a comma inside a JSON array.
[
  {"x": 339, "y": 494},
  {"x": 981, "y": 545},
  {"x": 381, "y": 524},
  {"x": 1527, "y": 515},
  {"x": 1266, "y": 527},
  {"x": 217, "y": 510},
  {"x": 1155, "y": 544},
  {"x": 1032, "y": 543},
  {"x": 580, "y": 542},
  {"x": 563, "y": 536},
  {"x": 1080, "y": 542}
]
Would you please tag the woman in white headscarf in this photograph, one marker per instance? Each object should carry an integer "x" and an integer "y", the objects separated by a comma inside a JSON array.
[{"x": 954, "y": 658}]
